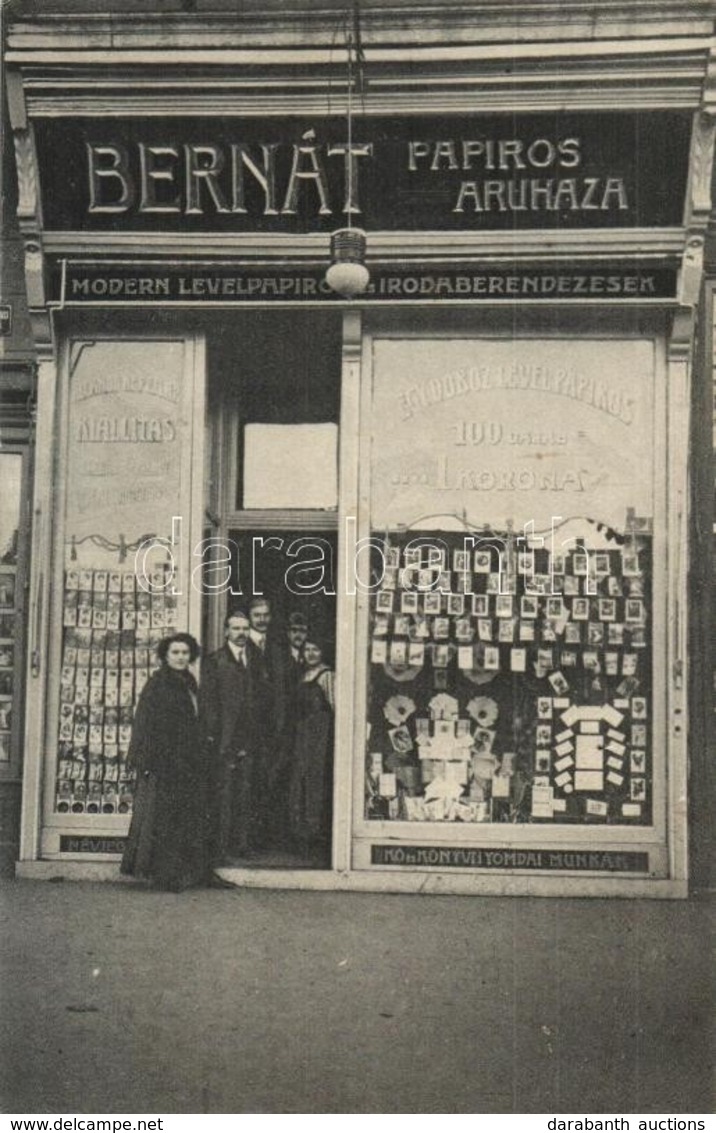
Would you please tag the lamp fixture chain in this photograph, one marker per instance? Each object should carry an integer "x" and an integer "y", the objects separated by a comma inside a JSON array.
[
  {"x": 355, "y": 78},
  {"x": 347, "y": 273}
]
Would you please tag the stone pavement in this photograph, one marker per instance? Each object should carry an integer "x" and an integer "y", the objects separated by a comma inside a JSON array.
[{"x": 115, "y": 999}]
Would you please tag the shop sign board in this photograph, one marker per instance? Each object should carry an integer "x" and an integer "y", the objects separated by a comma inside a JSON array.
[
  {"x": 159, "y": 283},
  {"x": 411, "y": 173},
  {"x": 83, "y": 844},
  {"x": 474, "y": 857}
]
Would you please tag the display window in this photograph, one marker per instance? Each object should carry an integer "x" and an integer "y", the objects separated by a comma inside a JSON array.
[
  {"x": 509, "y": 620},
  {"x": 122, "y": 577}
]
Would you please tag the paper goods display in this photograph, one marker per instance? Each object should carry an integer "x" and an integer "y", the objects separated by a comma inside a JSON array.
[
  {"x": 7, "y": 657},
  {"x": 111, "y": 630},
  {"x": 517, "y": 688}
]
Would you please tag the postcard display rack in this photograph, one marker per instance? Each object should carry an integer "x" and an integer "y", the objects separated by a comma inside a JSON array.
[
  {"x": 111, "y": 629},
  {"x": 8, "y": 611},
  {"x": 509, "y": 685}
]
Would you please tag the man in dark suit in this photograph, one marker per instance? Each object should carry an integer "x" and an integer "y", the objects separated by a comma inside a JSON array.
[
  {"x": 269, "y": 701},
  {"x": 229, "y": 697},
  {"x": 287, "y": 668},
  {"x": 272, "y": 702}
]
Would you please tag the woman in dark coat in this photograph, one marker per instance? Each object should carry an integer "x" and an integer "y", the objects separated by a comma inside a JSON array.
[{"x": 167, "y": 842}]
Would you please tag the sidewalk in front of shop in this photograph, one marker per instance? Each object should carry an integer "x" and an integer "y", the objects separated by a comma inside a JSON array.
[{"x": 116, "y": 999}]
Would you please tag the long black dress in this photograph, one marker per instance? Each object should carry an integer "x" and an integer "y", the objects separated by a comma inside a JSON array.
[
  {"x": 168, "y": 835},
  {"x": 311, "y": 785}
]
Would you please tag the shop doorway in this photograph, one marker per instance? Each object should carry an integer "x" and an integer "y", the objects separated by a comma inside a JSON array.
[
  {"x": 278, "y": 581},
  {"x": 272, "y": 499}
]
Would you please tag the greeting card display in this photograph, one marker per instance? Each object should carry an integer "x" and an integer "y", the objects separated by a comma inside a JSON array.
[
  {"x": 510, "y": 685},
  {"x": 111, "y": 630},
  {"x": 8, "y": 656}
]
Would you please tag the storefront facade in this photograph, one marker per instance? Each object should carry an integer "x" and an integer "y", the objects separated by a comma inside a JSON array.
[{"x": 473, "y": 479}]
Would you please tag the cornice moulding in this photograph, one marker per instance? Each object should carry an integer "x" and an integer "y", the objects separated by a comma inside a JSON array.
[
  {"x": 393, "y": 247},
  {"x": 326, "y": 56},
  {"x": 436, "y": 99},
  {"x": 446, "y": 78},
  {"x": 218, "y": 23}
]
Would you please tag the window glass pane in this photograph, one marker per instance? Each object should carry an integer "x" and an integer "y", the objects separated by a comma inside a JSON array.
[
  {"x": 510, "y": 673},
  {"x": 10, "y": 478},
  {"x": 127, "y": 461},
  {"x": 279, "y": 368},
  {"x": 291, "y": 466}
]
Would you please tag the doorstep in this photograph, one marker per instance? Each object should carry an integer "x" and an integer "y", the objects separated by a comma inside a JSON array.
[{"x": 385, "y": 881}]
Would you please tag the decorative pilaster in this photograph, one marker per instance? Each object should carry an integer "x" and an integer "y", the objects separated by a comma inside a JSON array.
[
  {"x": 29, "y": 213},
  {"x": 698, "y": 205},
  {"x": 346, "y": 604},
  {"x": 40, "y": 586},
  {"x": 680, "y": 361}
]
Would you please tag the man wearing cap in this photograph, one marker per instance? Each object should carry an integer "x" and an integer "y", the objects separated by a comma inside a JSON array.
[
  {"x": 297, "y": 630},
  {"x": 296, "y": 633}
]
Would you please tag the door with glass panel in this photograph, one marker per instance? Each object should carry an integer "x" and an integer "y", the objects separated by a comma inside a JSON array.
[{"x": 272, "y": 499}]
